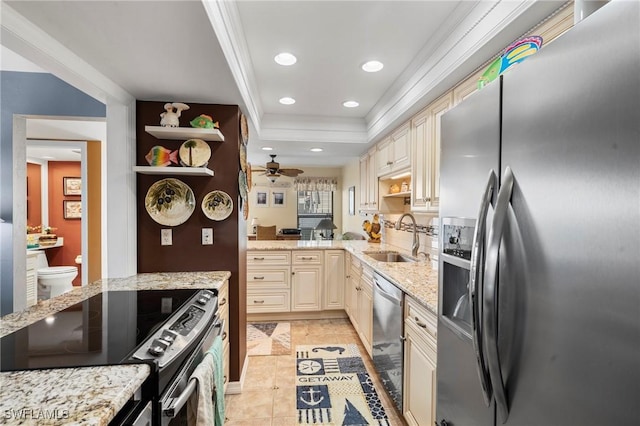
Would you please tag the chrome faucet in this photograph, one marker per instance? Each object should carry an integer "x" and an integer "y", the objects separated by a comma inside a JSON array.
[{"x": 416, "y": 240}]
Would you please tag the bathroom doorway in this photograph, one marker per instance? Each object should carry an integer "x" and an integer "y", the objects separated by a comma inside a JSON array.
[{"x": 62, "y": 139}]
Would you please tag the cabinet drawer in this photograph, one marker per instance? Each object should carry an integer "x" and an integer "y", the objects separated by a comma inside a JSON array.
[
  {"x": 419, "y": 316},
  {"x": 277, "y": 277},
  {"x": 307, "y": 257},
  {"x": 273, "y": 301},
  {"x": 356, "y": 265},
  {"x": 268, "y": 257}
]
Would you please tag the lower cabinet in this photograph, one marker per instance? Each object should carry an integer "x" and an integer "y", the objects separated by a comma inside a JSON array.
[
  {"x": 359, "y": 307},
  {"x": 334, "y": 279},
  {"x": 223, "y": 311},
  {"x": 306, "y": 288},
  {"x": 419, "y": 404}
]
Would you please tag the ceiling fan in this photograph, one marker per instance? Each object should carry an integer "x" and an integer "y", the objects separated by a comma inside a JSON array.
[{"x": 273, "y": 171}]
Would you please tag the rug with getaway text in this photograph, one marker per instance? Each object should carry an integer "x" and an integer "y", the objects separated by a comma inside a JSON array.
[{"x": 334, "y": 388}]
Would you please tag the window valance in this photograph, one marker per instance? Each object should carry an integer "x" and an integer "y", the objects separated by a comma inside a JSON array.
[{"x": 315, "y": 184}]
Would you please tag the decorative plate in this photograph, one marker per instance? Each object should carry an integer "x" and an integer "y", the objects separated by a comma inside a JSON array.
[
  {"x": 170, "y": 202},
  {"x": 194, "y": 153},
  {"x": 217, "y": 205},
  {"x": 243, "y": 158},
  {"x": 245, "y": 211},
  {"x": 244, "y": 129},
  {"x": 249, "y": 178},
  {"x": 242, "y": 184}
]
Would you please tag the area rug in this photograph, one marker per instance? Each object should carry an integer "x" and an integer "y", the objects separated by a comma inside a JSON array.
[
  {"x": 268, "y": 338},
  {"x": 334, "y": 388}
]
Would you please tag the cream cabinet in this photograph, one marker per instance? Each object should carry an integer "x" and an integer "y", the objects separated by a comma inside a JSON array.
[
  {"x": 223, "y": 311},
  {"x": 354, "y": 266},
  {"x": 368, "y": 181},
  {"x": 394, "y": 153},
  {"x": 268, "y": 281},
  {"x": 306, "y": 281},
  {"x": 419, "y": 398},
  {"x": 426, "y": 138},
  {"x": 334, "y": 279},
  {"x": 359, "y": 300}
]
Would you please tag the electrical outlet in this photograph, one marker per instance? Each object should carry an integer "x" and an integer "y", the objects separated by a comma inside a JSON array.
[
  {"x": 166, "y": 237},
  {"x": 207, "y": 236}
]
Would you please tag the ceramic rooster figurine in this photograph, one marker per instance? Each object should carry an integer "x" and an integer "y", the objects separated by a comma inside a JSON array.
[
  {"x": 373, "y": 229},
  {"x": 172, "y": 111}
]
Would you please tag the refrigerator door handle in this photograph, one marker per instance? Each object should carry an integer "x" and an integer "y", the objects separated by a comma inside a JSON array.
[
  {"x": 490, "y": 299},
  {"x": 476, "y": 285}
]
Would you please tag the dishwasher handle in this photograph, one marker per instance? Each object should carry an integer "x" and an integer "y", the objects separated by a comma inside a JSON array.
[{"x": 382, "y": 292}]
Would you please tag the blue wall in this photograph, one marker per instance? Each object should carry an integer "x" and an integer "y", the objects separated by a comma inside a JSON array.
[{"x": 31, "y": 94}]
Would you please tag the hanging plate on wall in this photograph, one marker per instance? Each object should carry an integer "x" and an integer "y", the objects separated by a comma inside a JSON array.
[
  {"x": 170, "y": 202},
  {"x": 217, "y": 205},
  {"x": 195, "y": 153},
  {"x": 244, "y": 129}
]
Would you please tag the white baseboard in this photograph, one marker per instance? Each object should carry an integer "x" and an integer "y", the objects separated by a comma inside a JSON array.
[{"x": 234, "y": 388}]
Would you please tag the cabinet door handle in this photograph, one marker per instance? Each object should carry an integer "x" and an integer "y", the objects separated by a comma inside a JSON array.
[
  {"x": 258, "y": 258},
  {"x": 421, "y": 324},
  {"x": 293, "y": 273},
  {"x": 258, "y": 278},
  {"x": 224, "y": 335},
  {"x": 307, "y": 258},
  {"x": 258, "y": 301},
  {"x": 224, "y": 379},
  {"x": 223, "y": 302}
]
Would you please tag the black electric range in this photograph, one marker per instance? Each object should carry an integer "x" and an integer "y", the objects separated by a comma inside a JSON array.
[{"x": 105, "y": 329}]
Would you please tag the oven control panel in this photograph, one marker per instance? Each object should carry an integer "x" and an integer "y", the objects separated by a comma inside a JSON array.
[{"x": 180, "y": 330}]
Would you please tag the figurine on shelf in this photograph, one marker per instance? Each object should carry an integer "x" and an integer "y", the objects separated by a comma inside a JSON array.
[
  {"x": 170, "y": 118},
  {"x": 204, "y": 121},
  {"x": 373, "y": 229}
]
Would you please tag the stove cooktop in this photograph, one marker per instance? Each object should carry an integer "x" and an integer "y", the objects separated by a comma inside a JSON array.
[{"x": 102, "y": 330}]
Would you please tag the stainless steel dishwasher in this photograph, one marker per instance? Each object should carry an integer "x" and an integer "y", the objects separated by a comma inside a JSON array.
[{"x": 387, "y": 336}]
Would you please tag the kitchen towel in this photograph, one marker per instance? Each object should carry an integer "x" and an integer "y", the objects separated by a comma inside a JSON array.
[{"x": 202, "y": 409}]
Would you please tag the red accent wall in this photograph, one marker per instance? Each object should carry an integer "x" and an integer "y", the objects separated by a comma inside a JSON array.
[
  {"x": 34, "y": 194},
  {"x": 70, "y": 229}
]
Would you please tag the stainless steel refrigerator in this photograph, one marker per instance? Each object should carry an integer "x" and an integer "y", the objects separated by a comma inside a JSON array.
[{"x": 539, "y": 303}]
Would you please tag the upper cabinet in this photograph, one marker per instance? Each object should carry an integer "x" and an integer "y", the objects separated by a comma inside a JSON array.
[
  {"x": 426, "y": 137},
  {"x": 368, "y": 181},
  {"x": 394, "y": 152}
]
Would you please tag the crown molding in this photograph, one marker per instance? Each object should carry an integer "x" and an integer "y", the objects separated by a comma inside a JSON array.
[
  {"x": 475, "y": 31},
  {"x": 226, "y": 23},
  {"x": 302, "y": 128},
  {"x": 27, "y": 40}
]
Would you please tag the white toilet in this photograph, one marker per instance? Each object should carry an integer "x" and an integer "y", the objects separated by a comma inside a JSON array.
[{"x": 53, "y": 280}]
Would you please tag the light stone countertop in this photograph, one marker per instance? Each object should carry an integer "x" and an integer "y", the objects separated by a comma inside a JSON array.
[
  {"x": 417, "y": 279},
  {"x": 85, "y": 395},
  {"x": 64, "y": 396}
]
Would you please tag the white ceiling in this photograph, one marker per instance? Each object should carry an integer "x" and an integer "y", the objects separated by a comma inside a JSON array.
[{"x": 222, "y": 52}]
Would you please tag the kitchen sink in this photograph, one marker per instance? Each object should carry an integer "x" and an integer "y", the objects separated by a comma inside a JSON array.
[{"x": 389, "y": 256}]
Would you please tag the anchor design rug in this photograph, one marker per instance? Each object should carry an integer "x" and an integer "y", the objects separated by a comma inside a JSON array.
[
  {"x": 268, "y": 338},
  {"x": 334, "y": 388}
]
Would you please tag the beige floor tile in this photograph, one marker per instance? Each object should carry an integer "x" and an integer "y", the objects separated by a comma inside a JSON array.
[
  {"x": 250, "y": 404},
  {"x": 284, "y": 402},
  {"x": 249, "y": 422},
  {"x": 284, "y": 421}
]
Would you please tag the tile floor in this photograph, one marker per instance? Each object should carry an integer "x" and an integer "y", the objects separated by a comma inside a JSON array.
[{"x": 268, "y": 396}]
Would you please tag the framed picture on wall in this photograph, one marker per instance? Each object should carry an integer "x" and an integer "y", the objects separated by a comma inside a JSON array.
[
  {"x": 72, "y": 185},
  {"x": 278, "y": 198},
  {"x": 262, "y": 198},
  {"x": 72, "y": 209}
]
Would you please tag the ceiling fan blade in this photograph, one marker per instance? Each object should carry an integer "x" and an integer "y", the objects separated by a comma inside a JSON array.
[{"x": 290, "y": 172}]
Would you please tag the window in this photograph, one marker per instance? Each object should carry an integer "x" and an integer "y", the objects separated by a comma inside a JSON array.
[{"x": 313, "y": 206}]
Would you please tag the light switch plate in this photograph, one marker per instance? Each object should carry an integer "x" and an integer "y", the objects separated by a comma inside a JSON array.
[
  {"x": 207, "y": 236},
  {"x": 166, "y": 237}
]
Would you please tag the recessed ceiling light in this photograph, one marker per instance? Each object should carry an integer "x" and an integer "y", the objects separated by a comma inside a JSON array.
[
  {"x": 285, "y": 59},
  {"x": 267, "y": 148},
  {"x": 372, "y": 66},
  {"x": 287, "y": 101},
  {"x": 350, "y": 104},
  {"x": 47, "y": 157},
  {"x": 316, "y": 149}
]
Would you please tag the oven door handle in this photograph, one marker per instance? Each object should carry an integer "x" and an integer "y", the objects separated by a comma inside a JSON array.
[{"x": 178, "y": 403}]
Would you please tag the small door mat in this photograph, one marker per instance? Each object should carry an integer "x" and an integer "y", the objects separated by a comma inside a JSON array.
[
  {"x": 334, "y": 388},
  {"x": 268, "y": 338}
]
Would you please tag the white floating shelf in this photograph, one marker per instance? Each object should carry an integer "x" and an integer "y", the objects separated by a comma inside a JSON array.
[
  {"x": 398, "y": 195},
  {"x": 175, "y": 171},
  {"x": 184, "y": 133}
]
